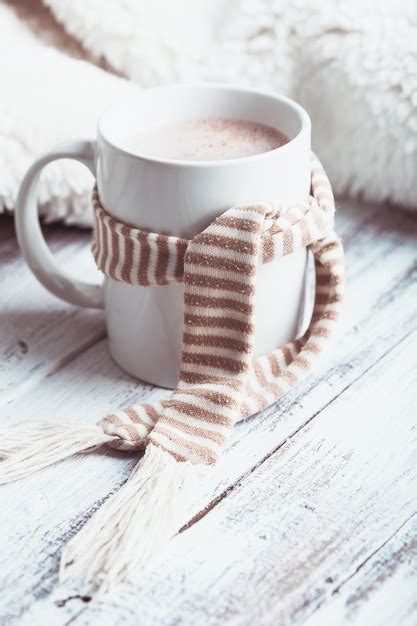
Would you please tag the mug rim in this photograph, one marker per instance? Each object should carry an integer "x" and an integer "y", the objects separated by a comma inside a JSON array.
[{"x": 304, "y": 118}]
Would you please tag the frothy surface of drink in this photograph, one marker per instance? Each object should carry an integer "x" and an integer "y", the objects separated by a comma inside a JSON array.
[{"x": 206, "y": 139}]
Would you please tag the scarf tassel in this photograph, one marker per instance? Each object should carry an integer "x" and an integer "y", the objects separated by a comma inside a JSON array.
[
  {"x": 133, "y": 526},
  {"x": 131, "y": 529},
  {"x": 27, "y": 448}
]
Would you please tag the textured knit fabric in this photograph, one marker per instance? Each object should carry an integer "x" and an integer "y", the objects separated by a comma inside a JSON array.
[
  {"x": 351, "y": 65},
  {"x": 219, "y": 382}
]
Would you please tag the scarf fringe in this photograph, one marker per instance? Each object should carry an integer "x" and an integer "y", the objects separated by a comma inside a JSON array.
[
  {"x": 134, "y": 525},
  {"x": 29, "y": 447}
]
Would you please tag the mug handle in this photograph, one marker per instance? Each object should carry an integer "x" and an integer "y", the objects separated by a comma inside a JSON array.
[{"x": 30, "y": 237}]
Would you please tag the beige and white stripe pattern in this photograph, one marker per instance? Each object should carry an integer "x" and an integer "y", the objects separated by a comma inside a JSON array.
[
  {"x": 139, "y": 257},
  {"x": 219, "y": 383}
]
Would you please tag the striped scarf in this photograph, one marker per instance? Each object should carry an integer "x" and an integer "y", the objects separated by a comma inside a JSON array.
[{"x": 219, "y": 383}]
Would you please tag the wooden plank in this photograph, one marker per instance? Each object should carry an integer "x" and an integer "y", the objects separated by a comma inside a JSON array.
[
  {"x": 374, "y": 327},
  {"x": 383, "y": 591},
  {"x": 38, "y": 332}
]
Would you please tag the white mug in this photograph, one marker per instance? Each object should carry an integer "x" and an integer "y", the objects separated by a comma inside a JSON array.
[{"x": 179, "y": 198}]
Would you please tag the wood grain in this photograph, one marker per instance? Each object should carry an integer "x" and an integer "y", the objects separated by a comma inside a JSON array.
[
  {"x": 380, "y": 315},
  {"x": 38, "y": 332},
  {"x": 382, "y": 591}
]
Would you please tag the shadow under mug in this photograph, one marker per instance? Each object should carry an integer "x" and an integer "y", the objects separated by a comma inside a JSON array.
[{"x": 179, "y": 198}]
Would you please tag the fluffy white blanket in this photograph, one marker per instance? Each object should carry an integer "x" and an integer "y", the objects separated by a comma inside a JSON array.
[{"x": 351, "y": 63}]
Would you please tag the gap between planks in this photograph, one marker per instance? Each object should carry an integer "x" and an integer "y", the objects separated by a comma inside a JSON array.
[{"x": 373, "y": 554}]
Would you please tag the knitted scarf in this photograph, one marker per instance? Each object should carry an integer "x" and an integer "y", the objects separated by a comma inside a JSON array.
[{"x": 219, "y": 383}]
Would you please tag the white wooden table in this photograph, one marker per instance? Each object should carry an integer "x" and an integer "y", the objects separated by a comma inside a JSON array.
[{"x": 309, "y": 518}]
